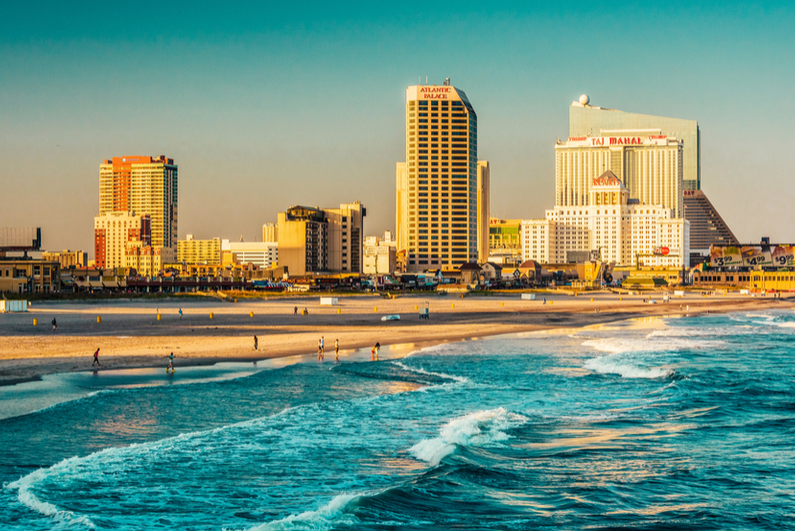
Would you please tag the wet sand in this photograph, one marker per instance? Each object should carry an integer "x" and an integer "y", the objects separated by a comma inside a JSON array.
[{"x": 130, "y": 335}]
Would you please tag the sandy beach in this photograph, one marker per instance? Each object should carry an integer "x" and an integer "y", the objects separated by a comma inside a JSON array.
[{"x": 130, "y": 335}]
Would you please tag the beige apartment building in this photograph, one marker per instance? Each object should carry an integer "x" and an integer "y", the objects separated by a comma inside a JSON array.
[
  {"x": 440, "y": 183},
  {"x": 113, "y": 231},
  {"x": 191, "y": 251},
  {"x": 380, "y": 255},
  {"x": 314, "y": 240}
]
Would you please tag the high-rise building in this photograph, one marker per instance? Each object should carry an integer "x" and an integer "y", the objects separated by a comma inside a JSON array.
[
  {"x": 314, "y": 240},
  {"x": 706, "y": 225},
  {"x": 484, "y": 215},
  {"x": 270, "y": 233},
  {"x": 650, "y": 167},
  {"x": 142, "y": 186},
  {"x": 589, "y": 120},
  {"x": 437, "y": 187}
]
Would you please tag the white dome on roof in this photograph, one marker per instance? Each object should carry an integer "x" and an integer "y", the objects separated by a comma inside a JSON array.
[{"x": 584, "y": 99}]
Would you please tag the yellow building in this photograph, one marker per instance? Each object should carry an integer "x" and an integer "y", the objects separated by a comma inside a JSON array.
[
  {"x": 484, "y": 214},
  {"x": 146, "y": 260},
  {"x": 437, "y": 186},
  {"x": 67, "y": 258},
  {"x": 192, "y": 251},
  {"x": 144, "y": 186},
  {"x": 270, "y": 233}
]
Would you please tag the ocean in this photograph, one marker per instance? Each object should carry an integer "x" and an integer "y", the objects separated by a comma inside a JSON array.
[{"x": 672, "y": 423}]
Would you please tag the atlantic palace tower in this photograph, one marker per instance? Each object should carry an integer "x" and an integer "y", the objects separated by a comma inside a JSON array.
[{"x": 442, "y": 189}]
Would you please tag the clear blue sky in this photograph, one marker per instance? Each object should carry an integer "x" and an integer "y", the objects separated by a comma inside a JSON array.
[{"x": 266, "y": 106}]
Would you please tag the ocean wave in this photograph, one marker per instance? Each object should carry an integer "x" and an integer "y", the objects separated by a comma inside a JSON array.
[
  {"x": 26, "y": 496},
  {"x": 318, "y": 520},
  {"x": 620, "y": 345},
  {"x": 459, "y": 379},
  {"x": 474, "y": 429},
  {"x": 625, "y": 368}
]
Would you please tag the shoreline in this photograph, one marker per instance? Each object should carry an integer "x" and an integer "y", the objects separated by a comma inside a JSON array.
[{"x": 28, "y": 353}]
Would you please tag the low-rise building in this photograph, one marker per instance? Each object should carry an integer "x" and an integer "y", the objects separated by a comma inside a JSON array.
[
  {"x": 261, "y": 254},
  {"x": 66, "y": 258},
  {"x": 25, "y": 275},
  {"x": 380, "y": 256},
  {"x": 193, "y": 251}
]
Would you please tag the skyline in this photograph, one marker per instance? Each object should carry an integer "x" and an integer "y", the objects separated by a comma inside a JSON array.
[{"x": 277, "y": 108}]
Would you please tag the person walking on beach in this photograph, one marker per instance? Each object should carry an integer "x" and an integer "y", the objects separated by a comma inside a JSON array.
[
  {"x": 54, "y": 325},
  {"x": 336, "y": 349},
  {"x": 306, "y": 312},
  {"x": 323, "y": 345},
  {"x": 170, "y": 363},
  {"x": 295, "y": 310},
  {"x": 180, "y": 313},
  {"x": 256, "y": 342},
  {"x": 319, "y": 350},
  {"x": 376, "y": 349},
  {"x": 96, "y": 358}
]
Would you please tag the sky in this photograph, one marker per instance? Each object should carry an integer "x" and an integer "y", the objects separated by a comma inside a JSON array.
[{"x": 268, "y": 105}]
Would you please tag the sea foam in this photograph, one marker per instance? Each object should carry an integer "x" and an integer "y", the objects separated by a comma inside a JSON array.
[{"x": 474, "y": 429}]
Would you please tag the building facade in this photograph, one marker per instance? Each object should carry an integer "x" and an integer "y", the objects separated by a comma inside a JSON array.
[
  {"x": 707, "y": 227},
  {"x": 649, "y": 166},
  {"x": 143, "y": 186},
  {"x": 437, "y": 185},
  {"x": 380, "y": 256},
  {"x": 261, "y": 254},
  {"x": 66, "y": 258},
  {"x": 113, "y": 231},
  {"x": 24, "y": 275},
  {"x": 314, "y": 240},
  {"x": 484, "y": 213},
  {"x": 588, "y": 120},
  {"x": 617, "y": 228},
  {"x": 191, "y": 251},
  {"x": 146, "y": 260},
  {"x": 270, "y": 232},
  {"x": 505, "y": 241}
]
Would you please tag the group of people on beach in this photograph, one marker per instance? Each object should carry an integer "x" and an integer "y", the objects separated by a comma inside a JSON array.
[{"x": 321, "y": 349}]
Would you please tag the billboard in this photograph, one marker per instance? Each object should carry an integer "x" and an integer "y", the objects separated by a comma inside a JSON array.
[
  {"x": 20, "y": 239},
  {"x": 783, "y": 255},
  {"x": 725, "y": 256},
  {"x": 756, "y": 256}
]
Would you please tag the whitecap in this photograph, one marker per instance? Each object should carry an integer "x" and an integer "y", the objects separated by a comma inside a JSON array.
[
  {"x": 318, "y": 520},
  {"x": 624, "y": 368},
  {"x": 474, "y": 429}
]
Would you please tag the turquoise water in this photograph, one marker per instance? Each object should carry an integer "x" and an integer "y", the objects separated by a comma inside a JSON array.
[{"x": 668, "y": 424}]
